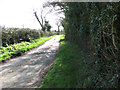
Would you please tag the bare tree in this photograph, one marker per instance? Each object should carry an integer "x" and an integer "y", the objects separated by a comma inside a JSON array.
[
  {"x": 0, "y": 36},
  {"x": 58, "y": 25},
  {"x": 40, "y": 22},
  {"x": 47, "y": 9},
  {"x": 44, "y": 12}
]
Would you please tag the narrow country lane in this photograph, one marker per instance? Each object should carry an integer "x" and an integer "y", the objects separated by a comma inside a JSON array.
[{"x": 28, "y": 70}]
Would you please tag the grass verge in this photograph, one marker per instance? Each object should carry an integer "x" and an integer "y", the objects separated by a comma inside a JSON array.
[
  {"x": 70, "y": 70},
  {"x": 19, "y": 48}
]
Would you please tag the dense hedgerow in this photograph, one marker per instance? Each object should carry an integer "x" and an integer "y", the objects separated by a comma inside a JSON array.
[
  {"x": 16, "y": 35},
  {"x": 95, "y": 27}
]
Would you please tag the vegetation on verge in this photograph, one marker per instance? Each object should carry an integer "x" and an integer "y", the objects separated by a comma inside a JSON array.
[
  {"x": 19, "y": 48},
  {"x": 70, "y": 70}
]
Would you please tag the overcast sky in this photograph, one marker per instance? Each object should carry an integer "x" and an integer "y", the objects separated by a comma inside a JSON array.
[{"x": 19, "y": 13}]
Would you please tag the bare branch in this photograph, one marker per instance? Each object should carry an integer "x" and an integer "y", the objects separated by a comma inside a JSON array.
[
  {"x": 42, "y": 16},
  {"x": 38, "y": 19}
]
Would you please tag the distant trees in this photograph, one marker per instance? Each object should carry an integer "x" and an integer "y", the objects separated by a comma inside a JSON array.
[
  {"x": 48, "y": 26},
  {"x": 43, "y": 23}
]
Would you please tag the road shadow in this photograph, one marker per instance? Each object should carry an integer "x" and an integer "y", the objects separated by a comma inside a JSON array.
[{"x": 62, "y": 40}]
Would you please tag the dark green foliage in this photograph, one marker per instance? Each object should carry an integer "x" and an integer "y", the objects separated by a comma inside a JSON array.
[
  {"x": 95, "y": 27},
  {"x": 13, "y": 35},
  {"x": 16, "y": 35},
  {"x": 48, "y": 26}
]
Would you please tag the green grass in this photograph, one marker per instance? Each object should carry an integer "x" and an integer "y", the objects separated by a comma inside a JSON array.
[
  {"x": 70, "y": 70},
  {"x": 19, "y": 48}
]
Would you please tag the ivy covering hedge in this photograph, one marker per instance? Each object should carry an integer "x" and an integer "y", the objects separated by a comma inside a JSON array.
[{"x": 95, "y": 27}]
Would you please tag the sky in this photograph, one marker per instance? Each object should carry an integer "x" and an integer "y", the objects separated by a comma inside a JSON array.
[{"x": 20, "y": 13}]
